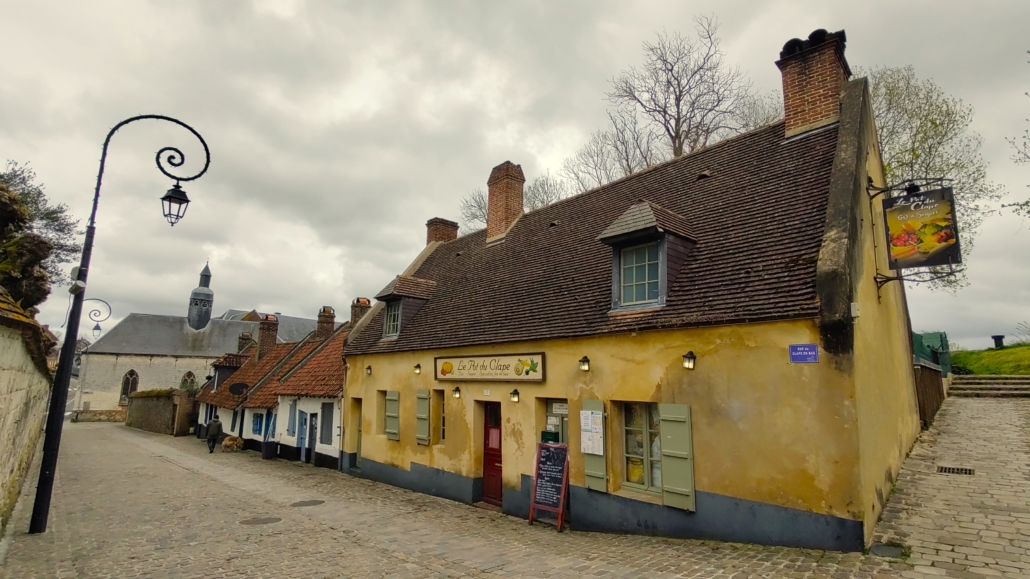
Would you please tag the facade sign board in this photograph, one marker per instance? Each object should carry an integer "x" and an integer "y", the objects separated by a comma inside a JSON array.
[
  {"x": 921, "y": 229},
  {"x": 502, "y": 368},
  {"x": 804, "y": 353},
  {"x": 591, "y": 432}
]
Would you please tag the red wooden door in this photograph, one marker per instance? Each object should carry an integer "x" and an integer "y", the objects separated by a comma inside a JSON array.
[{"x": 492, "y": 454}]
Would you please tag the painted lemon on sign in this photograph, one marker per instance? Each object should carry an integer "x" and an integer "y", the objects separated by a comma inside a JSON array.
[{"x": 446, "y": 368}]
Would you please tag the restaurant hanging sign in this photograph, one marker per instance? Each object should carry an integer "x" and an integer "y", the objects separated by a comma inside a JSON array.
[
  {"x": 921, "y": 229},
  {"x": 503, "y": 368}
]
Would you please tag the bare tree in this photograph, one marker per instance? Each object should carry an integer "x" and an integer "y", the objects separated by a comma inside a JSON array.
[
  {"x": 1021, "y": 155},
  {"x": 756, "y": 111},
  {"x": 924, "y": 132},
  {"x": 544, "y": 190},
  {"x": 473, "y": 208},
  {"x": 625, "y": 147},
  {"x": 685, "y": 87}
]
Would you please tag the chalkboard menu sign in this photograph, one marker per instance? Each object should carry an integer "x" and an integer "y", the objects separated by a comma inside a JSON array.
[{"x": 551, "y": 485}]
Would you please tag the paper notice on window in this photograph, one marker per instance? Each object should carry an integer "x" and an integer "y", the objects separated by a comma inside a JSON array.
[{"x": 591, "y": 425}]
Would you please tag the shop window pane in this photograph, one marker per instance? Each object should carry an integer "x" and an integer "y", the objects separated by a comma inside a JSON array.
[
  {"x": 635, "y": 443},
  {"x": 656, "y": 475},
  {"x": 634, "y": 415}
]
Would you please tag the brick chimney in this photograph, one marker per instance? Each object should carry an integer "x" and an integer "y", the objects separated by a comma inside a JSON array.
[
  {"x": 440, "y": 229},
  {"x": 358, "y": 308},
  {"x": 269, "y": 330},
  {"x": 504, "y": 201},
  {"x": 326, "y": 323},
  {"x": 243, "y": 341},
  {"x": 814, "y": 71}
]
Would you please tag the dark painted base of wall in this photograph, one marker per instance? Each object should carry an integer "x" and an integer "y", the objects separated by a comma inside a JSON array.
[
  {"x": 717, "y": 517},
  {"x": 251, "y": 444},
  {"x": 287, "y": 452},
  {"x": 423, "y": 479},
  {"x": 326, "y": 461}
]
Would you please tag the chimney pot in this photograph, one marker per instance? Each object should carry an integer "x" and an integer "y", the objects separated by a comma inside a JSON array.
[
  {"x": 504, "y": 198},
  {"x": 268, "y": 333},
  {"x": 814, "y": 71},
  {"x": 243, "y": 341},
  {"x": 326, "y": 323},
  {"x": 358, "y": 308},
  {"x": 440, "y": 229}
]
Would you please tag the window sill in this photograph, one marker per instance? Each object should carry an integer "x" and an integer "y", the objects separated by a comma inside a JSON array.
[
  {"x": 654, "y": 498},
  {"x": 636, "y": 309}
]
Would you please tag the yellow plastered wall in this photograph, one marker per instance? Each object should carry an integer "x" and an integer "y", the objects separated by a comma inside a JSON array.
[
  {"x": 764, "y": 429},
  {"x": 888, "y": 416}
]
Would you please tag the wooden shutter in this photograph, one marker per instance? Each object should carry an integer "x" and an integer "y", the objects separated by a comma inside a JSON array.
[
  {"x": 595, "y": 468},
  {"x": 291, "y": 420},
  {"x": 326, "y": 424},
  {"x": 392, "y": 410},
  {"x": 677, "y": 456},
  {"x": 422, "y": 417}
]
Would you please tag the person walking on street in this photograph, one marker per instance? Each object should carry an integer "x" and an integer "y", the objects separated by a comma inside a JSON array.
[{"x": 214, "y": 430}]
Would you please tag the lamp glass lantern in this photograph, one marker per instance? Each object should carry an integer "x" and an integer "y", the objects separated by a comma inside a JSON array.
[
  {"x": 456, "y": 393},
  {"x": 514, "y": 395},
  {"x": 584, "y": 364},
  {"x": 418, "y": 368},
  {"x": 688, "y": 360},
  {"x": 368, "y": 370},
  {"x": 174, "y": 204},
  {"x": 96, "y": 331}
]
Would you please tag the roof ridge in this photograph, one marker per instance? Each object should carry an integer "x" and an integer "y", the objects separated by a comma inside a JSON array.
[
  {"x": 344, "y": 328},
  {"x": 274, "y": 370}
]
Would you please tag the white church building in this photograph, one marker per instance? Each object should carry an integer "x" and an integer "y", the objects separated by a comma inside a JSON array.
[{"x": 157, "y": 352}]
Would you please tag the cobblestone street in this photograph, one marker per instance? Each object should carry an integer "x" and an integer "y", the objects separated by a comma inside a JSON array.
[{"x": 134, "y": 504}]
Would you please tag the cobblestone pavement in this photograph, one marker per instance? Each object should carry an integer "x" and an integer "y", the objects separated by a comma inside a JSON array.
[
  {"x": 961, "y": 525},
  {"x": 134, "y": 504}
]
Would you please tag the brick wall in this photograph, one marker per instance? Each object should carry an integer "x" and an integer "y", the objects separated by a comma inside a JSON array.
[
  {"x": 812, "y": 82},
  {"x": 504, "y": 200}
]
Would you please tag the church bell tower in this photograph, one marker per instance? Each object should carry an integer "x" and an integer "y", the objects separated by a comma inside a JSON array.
[{"x": 201, "y": 301}]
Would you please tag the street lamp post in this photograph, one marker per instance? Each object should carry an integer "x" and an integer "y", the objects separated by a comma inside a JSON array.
[{"x": 174, "y": 207}]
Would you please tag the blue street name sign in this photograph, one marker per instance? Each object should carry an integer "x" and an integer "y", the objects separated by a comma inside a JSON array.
[{"x": 804, "y": 353}]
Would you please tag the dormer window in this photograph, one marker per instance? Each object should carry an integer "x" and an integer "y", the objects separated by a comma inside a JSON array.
[
  {"x": 640, "y": 274},
  {"x": 649, "y": 245},
  {"x": 392, "y": 324}
]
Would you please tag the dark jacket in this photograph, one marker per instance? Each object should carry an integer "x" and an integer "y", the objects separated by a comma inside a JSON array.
[{"x": 214, "y": 429}]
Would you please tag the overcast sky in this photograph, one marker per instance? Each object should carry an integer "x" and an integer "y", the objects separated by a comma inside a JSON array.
[{"x": 338, "y": 128}]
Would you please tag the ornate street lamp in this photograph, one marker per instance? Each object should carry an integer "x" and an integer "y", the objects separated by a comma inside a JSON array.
[
  {"x": 174, "y": 203},
  {"x": 97, "y": 315}
]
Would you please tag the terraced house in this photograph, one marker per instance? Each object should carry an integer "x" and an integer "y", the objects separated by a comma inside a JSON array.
[{"x": 706, "y": 336}]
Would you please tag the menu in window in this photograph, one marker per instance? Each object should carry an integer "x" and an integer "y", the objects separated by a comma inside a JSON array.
[{"x": 591, "y": 431}]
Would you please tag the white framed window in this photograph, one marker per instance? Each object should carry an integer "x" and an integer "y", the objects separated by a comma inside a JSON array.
[
  {"x": 392, "y": 325},
  {"x": 643, "y": 447},
  {"x": 639, "y": 274}
]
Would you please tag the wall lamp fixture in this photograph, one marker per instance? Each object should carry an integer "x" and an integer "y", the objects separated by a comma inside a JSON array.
[
  {"x": 584, "y": 364},
  {"x": 418, "y": 368},
  {"x": 688, "y": 360},
  {"x": 514, "y": 395},
  {"x": 456, "y": 392}
]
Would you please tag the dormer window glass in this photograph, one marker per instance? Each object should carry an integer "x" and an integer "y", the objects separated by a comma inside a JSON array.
[
  {"x": 392, "y": 325},
  {"x": 640, "y": 274}
]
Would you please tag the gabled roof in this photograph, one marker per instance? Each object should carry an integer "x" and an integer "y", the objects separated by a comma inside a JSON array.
[
  {"x": 291, "y": 329},
  {"x": 756, "y": 205},
  {"x": 408, "y": 287},
  {"x": 265, "y": 394},
  {"x": 252, "y": 373},
  {"x": 646, "y": 217},
  {"x": 319, "y": 372},
  {"x": 154, "y": 335}
]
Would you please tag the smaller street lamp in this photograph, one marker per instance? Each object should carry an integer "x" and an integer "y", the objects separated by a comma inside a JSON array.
[
  {"x": 584, "y": 364},
  {"x": 688, "y": 360},
  {"x": 96, "y": 331},
  {"x": 174, "y": 204}
]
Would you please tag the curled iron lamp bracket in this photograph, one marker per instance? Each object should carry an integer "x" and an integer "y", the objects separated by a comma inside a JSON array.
[{"x": 913, "y": 185}]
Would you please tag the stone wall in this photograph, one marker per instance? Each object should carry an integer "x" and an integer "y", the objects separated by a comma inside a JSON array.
[
  {"x": 165, "y": 413},
  {"x": 24, "y": 393},
  {"x": 100, "y": 376},
  {"x": 116, "y": 415}
]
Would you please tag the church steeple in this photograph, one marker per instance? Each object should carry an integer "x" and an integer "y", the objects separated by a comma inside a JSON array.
[{"x": 201, "y": 301}]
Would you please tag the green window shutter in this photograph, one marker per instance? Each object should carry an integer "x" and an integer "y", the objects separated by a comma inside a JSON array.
[
  {"x": 594, "y": 466},
  {"x": 422, "y": 417},
  {"x": 677, "y": 456},
  {"x": 393, "y": 410}
]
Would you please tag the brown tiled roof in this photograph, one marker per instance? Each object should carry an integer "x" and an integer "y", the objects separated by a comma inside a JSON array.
[
  {"x": 234, "y": 360},
  {"x": 758, "y": 221},
  {"x": 320, "y": 377},
  {"x": 409, "y": 287},
  {"x": 265, "y": 396},
  {"x": 251, "y": 373}
]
